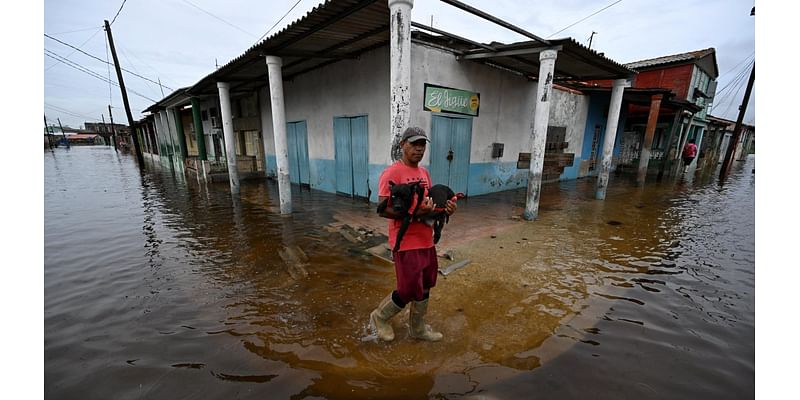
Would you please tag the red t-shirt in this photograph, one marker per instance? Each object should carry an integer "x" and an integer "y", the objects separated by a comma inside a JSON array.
[
  {"x": 419, "y": 234},
  {"x": 690, "y": 150}
]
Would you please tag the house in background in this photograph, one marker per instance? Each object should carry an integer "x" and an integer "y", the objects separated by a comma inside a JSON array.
[
  {"x": 335, "y": 65},
  {"x": 691, "y": 76},
  {"x": 721, "y": 130}
]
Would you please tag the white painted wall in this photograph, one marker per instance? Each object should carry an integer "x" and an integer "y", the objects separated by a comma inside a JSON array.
[
  {"x": 346, "y": 88},
  {"x": 506, "y": 108}
]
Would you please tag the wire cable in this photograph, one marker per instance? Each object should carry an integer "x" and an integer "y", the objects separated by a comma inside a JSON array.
[
  {"x": 734, "y": 83},
  {"x": 218, "y": 18},
  {"x": 77, "y": 48},
  {"x": 585, "y": 18},
  {"x": 90, "y": 72},
  {"x": 118, "y": 11},
  {"x": 101, "y": 60},
  {"x": 279, "y": 21},
  {"x": 65, "y": 111},
  {"x": 77, "y": 30}
]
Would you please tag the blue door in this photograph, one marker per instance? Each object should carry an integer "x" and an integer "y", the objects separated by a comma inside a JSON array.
[
  {"x": 297, "y": 146},
  {"x": 451, "y": 139},
  {"x": 350, "y": 136}
]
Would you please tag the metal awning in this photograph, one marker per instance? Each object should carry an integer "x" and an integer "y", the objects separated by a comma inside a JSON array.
[
  {"x": 642, "y": 97},
  {"x": 344, "y": 29},
  {"x": 574, "y": 61},
  {"x": 333, "y": 31},
  {"x": 178, "y": 97}
]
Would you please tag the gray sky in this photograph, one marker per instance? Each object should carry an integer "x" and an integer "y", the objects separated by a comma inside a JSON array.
[{"x": 179, "y": 41}]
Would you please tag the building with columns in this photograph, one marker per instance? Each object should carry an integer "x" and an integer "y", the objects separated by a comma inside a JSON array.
[{"x": 323, "y": 102}]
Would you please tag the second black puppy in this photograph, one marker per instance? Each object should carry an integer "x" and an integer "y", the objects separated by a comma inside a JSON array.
[{"x": 440, "y": 194}]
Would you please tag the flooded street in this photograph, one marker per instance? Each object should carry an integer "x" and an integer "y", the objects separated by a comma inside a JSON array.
[{"x": 159, "y": 287}]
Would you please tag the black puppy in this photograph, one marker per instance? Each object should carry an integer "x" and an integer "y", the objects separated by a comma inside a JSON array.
[
  {"x": 406, "y": 199},
  {"x": 438, "y": 218}
]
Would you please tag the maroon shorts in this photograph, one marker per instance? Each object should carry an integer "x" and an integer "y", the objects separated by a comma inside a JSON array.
[{"x": 416, "y": 272}]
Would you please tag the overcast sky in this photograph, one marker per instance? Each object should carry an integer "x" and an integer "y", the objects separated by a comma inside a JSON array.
[{"x": 180, "y": 41}]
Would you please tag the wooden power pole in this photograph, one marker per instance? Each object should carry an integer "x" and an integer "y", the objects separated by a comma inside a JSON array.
[
  {"x": 737, "y": 130},
  {"x": 136, "y": 146},
  {"x": 113, "y": 129},
  {"x": 63, "y": 135}
]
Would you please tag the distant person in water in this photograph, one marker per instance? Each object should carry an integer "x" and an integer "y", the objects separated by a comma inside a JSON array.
[{"x": 689, "y": 153}]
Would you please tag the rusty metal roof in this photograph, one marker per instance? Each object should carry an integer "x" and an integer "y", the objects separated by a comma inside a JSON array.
[{"x": 343, "y": 29}]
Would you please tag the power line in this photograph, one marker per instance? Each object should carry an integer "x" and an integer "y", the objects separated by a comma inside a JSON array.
[
  {"x": 77, "y": 30},
  {"x": 118, "y": 11},
  {"x": 90, "y": 72},
  {"x": 101, "y": 60},
  {"x": 217, "y": 18},
  {"x": 739, "y": 63},
  {"x": 279, "y": 21},
  {"x": 584, "y": 19},
  {"x": 736, "y": 82},
  {"x": 77, "y": 48},
  {"x": 65, "y": 111}
]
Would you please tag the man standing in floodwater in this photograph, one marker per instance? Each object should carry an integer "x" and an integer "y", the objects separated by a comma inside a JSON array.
[
  {"x": 689, "y": 153},
  {"x": 415, "y": 263}
]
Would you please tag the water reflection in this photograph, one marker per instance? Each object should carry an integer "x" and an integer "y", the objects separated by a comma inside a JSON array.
[{"x": 158, "y": 286}]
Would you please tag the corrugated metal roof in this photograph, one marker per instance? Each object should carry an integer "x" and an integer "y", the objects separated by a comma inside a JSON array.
[
  {"x": 671, "y": 59},
  {"x": 332, "y": 31},
  {"x": 342, "y": 29},
  {"x": 573, "y": 62}
]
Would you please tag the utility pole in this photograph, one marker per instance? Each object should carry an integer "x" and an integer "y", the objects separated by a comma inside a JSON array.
[
  {"x": 105, "y": 128},
  {"x": 113, "y": 130},
  {"x": 137, "y": 148},
  {"x": 47, "y": 134},
  {"x": 737, "y": 130},
  {"x": 62, "y": 131}
]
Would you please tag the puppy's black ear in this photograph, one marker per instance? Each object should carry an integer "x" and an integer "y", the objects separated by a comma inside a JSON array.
[{"x": 391, "y": 184}]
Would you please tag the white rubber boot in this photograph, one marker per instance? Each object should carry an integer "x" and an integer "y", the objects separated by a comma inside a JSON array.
[
  {"x": 379, "y": 318},
  {"x": 417, "y": 328}
]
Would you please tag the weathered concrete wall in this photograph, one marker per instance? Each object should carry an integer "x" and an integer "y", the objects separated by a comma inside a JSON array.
[
  {"x": 570, "y": 109},
  {"x": 346, "y": 88},
  {"x": 506, "y": 114},
  {"x": 361, "y": 87}
]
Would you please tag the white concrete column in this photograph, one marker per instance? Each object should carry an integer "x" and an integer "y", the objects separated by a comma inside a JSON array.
[
  {"x": 279, "y": 132},
  {"x": 547, "y": 63},
  {"x": 614, "y": 109},
  {"x": 227, "y": 131},
  {"x": 399, "y": 71}
]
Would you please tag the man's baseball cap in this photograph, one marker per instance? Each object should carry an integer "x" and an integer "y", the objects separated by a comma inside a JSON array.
[{"x": 413, "y": 134}]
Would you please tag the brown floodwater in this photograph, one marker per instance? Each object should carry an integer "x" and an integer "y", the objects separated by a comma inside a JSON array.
[{"x": 158, "y": 287}]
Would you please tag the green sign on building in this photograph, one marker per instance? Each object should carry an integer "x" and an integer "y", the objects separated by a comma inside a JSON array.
[{"x": 449, "y": 100}]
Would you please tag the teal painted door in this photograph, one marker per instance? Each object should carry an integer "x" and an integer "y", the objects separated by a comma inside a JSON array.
[
  {"x": 350, "y": 136},
  {"x": 451, "y": 139},
  {"x": 297, "y": 146}
]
